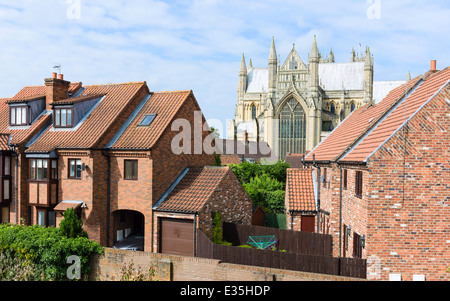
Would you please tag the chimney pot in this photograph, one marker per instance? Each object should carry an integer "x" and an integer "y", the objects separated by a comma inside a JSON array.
[
  {"x": 61, "y": 76},
  {"x": 54, "y": 75},
  {"x": 433, "y": 65}
]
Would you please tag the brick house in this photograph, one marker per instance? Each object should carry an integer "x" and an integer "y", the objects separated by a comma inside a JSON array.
[
  {"x": 385, "y": 182},
  {"x": 300, "y": 199},
  {"x": 104, "y": 150},
  {"x": 190, "y": 203}
]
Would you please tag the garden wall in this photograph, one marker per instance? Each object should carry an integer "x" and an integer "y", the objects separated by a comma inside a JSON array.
[{"x": 179, "y": 268}]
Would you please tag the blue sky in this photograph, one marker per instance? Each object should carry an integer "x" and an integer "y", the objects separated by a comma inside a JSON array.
[{"x": 197, "y": 45}]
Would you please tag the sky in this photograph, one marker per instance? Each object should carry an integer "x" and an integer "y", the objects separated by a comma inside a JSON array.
[{"x": 198, "y": 45}]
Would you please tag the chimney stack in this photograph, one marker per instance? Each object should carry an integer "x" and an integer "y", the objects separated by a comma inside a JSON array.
[
  {"x": 433, "y": 65},
  {"x": 55, "y": 89},
  {"x": 61, "y": 76}
]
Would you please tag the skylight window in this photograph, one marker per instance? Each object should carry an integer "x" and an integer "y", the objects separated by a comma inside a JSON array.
[{"x": 147, "y": 119}]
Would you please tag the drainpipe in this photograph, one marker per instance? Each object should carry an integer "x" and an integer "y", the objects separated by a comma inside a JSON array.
[
  {"x": 195, "y": 234},
  {"x": 108, "y": 197},
  {"x": 340, "y": 210},
  {"x": 318, "y": 192},
  {"x": 16, "y": 167}
]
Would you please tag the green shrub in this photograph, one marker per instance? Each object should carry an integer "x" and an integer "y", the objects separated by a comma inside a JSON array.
[
  {"x": 39, "y": 253},
  {"x": 217, "y": 232},
  {"x": 71, "y": 226}
]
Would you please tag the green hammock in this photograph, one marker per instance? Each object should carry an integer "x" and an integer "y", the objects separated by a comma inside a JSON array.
[{"x": 261, "y": 242}]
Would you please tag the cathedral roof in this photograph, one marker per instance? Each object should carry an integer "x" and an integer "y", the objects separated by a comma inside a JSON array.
[
  {"x": 257, "y": 80},
  {"x": 339, "y": 76}
]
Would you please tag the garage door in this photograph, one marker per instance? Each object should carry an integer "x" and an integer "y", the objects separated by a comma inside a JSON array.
[{"x": 177, "y": 237}]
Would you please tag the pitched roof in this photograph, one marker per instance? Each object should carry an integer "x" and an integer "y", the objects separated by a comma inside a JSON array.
[
  {"x": 229, "y": 159},
  {"x": 77, "y": 99},
  {"x": 300, "y": 190},
  {"x": 19, "y": 134},
  {"x": 397, "y": 117},
  {"x": 191, "y": 191},
  {"x": 29, "y": 93},
  {"x": 87, "y": 133},
  {"x": 354, "y": 126},
  {"x": 4, "y": 138},
  {"x": 367, "y": 128},
  {"x": 164, "y": 105}
]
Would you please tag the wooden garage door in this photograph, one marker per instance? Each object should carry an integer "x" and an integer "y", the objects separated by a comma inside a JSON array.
[{"x": 177, "y": 237}]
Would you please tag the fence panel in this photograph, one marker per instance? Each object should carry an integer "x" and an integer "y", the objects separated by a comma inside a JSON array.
[{"x": 351, "y": 267}]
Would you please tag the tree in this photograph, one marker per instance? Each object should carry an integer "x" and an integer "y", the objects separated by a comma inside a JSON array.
[{"x": 71, "y": 226}]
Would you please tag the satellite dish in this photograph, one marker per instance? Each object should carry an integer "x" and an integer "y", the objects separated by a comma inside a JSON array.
[{"x": 83, "y": 167}]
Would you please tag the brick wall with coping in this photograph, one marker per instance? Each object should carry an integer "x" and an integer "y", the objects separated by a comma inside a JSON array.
[{"x": 107, "y": 267}]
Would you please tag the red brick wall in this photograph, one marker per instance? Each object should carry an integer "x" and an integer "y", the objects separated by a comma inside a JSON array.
[
  {"x": 409, "y": 216},
  {"x": 405, "y": 219},
  {"x": 167, "y": 165}
]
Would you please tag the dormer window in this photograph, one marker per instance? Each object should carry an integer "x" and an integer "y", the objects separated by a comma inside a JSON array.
[
  {"x": 18, "y": 115},
  {"x": 63, "y": 117}
]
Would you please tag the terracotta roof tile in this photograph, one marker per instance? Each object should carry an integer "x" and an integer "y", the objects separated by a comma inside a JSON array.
[
  {"x": 88, "y": 133},
  {"x": 194, "y": 190},
  {"x": 165, "y": 105},
  {"x": 19, "y": 134},
  {"x": 396, "y": 118},
  {"x": 229, "y": 159},
  {"x": 4, "y": 138},
  {"x": 34, "y": 92},
  {"x": 356, "y": 124},
  {"x": 81, "y": 98},
  {"x": 300, "y": 190}
]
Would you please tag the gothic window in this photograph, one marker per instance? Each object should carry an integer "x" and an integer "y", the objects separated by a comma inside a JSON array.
[
  {"x": 292, "y": 129},
  {"x": 293, "y": 64},
  {"x": 253, "y": 112},
  {"x": 333, "y": 109},
  {"x": 352, "y": 107}
]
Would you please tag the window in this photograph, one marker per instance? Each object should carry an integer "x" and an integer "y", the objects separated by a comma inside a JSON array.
[
  {"x": 6, "y": 192},
  {"x": 147, "y": 119},
  {"x": 39, "y": 169},
  {"x": 333, "y": 109},
  {"x": 52, "y": 219},
  {"x": 292, "y": 129},
  {"x": 357, "y": 247},
  {"x": 75, "y": 168},
  {"x": 345, "y": 179},
  {"x": 358, "y": 184},
  {"x": 63, "y": 117},
  {"x": 7, "y": 168},
  {"x": 131, "y": 169},
  {"x": 253, "y": 112},
  {"x": 352, "y": 107},
  {"x": 324, "y": 179},
  {"x": 18, "y": 115},
  {"x": 54, "y": 172},
  {"x": 41, "y": 218}
]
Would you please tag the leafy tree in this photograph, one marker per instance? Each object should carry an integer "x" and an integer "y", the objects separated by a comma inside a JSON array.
[{"x": 71, "y": 226}]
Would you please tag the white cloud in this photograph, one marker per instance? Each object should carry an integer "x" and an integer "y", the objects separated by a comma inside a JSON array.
[{"x": 197, "y": 45}]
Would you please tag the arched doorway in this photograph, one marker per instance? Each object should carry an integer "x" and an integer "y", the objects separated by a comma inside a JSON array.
[
  {"x": 128, "y": 230},
  {"x": 292, "y": 129}
]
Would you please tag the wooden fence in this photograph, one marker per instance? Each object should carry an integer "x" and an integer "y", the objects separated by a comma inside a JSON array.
[
  {"x": 292, "y": 241},
  {"x": 350, "y": 267}
]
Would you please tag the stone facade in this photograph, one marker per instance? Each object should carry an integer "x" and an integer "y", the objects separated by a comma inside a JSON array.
[{"x": 295, "y": 105}]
